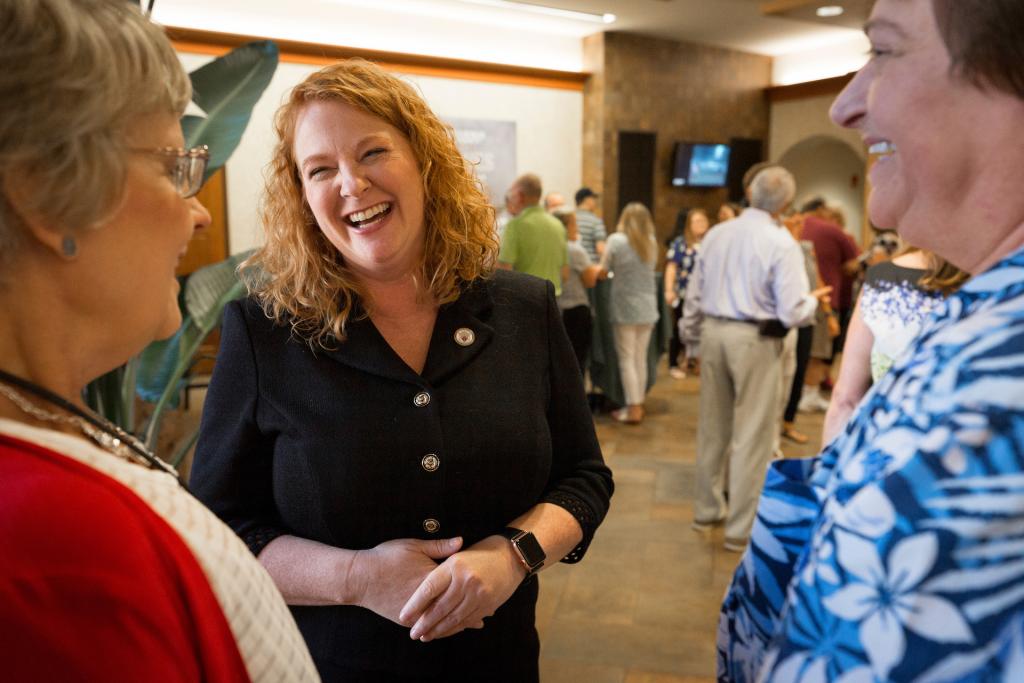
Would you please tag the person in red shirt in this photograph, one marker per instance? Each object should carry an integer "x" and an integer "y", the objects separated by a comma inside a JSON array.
[{"x": 838, "y": 264}]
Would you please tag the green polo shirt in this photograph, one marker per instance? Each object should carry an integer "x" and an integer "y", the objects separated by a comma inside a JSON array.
[{"x": 534, "y": 242}]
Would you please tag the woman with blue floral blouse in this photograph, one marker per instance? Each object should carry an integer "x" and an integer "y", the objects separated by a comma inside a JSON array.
[
  {"x": 896, "y": 555},
  {"x": 679, "y": 262}
]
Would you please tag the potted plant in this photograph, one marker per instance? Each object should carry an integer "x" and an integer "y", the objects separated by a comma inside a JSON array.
[{"x": 226, "y": 89}]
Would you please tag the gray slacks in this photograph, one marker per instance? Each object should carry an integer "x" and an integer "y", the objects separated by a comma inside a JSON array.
[{"x": 740, "y": 383}]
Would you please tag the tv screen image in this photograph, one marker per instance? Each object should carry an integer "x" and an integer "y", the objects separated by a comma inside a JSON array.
[{"x": 700, "y": 165}]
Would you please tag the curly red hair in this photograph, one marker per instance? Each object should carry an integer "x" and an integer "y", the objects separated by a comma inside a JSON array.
[{"x": 304, "y": 280}]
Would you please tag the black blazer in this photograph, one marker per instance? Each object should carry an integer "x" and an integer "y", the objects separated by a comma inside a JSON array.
[{"x": 351, "y": 447}]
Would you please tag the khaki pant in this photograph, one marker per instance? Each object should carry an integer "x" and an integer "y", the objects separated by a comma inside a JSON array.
[
  {"x": 740, "y": 383},
  {"x": 787, "y": 373}
]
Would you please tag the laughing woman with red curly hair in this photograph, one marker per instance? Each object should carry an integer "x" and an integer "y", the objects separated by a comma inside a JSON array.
[{"x": 396, "y": 429}]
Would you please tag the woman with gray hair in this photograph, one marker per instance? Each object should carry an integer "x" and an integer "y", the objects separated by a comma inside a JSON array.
[
  {"x": 111, "y": 570},
  {"x": 896, "y": 555}
]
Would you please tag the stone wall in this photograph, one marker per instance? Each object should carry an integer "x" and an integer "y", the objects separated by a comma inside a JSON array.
[{"x": 681, "y": 92}]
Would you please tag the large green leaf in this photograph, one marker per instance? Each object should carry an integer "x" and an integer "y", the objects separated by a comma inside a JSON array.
[
  {"x": 210, "y": 288},
  {"x": 163, "y": 366},
  {"x": 227, "y": 90},
  {"x": 104, "y": 395},
  {"x": 206, "y": 292},
  {"x": 157, "y": 363}
]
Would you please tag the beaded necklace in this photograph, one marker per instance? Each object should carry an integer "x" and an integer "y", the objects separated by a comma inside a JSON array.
[{"x": 105, "y": 434}]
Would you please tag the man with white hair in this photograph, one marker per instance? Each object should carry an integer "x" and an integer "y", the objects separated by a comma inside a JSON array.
[{"x": 749, "y": 286}]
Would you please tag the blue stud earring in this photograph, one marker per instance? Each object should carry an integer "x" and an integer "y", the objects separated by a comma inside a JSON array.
[{"x": 69, "y": 247}]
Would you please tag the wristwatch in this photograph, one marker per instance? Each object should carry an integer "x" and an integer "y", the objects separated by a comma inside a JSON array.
[{"x": 527, "y": 548}]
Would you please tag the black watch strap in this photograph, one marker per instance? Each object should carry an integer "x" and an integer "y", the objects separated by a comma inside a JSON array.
[{"x": 527, "y": 548}]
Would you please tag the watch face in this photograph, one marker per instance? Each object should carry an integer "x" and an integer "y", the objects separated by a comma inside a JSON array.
[{"x": 531, "y": 550}]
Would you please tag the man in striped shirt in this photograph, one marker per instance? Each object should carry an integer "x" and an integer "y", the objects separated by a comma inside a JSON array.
[{"x": 591, "y": 228}]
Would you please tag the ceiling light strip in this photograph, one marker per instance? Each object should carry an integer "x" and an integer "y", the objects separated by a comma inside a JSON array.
[{"x": 548, "y": 11}]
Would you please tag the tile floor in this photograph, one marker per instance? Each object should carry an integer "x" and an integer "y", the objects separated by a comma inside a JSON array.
[{"x": 642, "y": 606}]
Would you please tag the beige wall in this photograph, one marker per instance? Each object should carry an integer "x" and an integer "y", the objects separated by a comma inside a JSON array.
[
  {"x": 826, "y": 167},
  {"x": 826, "y": 159},
  {"x": 795, "y": 120}
]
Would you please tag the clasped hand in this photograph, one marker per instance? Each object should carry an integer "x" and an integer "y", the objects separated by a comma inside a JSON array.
[
  {"x": 463, "y": 590},
  {"x": 386, "y": 575},
  {"x": 401, "y": 581}
]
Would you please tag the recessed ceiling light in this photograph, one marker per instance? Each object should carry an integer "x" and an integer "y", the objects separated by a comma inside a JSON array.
[{"x": 829, "y": 11}]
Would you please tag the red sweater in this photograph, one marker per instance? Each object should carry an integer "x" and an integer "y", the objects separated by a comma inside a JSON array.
[
  {"x": 833, "y": 247},
  {"x": 95, "y": 586}
]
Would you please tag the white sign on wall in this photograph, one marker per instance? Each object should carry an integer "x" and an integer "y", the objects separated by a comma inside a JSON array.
[{"x": 490, "y": 146}]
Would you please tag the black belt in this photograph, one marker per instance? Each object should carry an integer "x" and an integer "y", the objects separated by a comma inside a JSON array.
[
  {"x": 772, "y": 327},
  {"x": 734, "y": 320}
]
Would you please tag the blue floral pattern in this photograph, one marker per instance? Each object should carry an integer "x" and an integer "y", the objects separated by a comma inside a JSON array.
[
  {"x": 898, "y": 554},
  {"x": 894, "y": 308},
  {"x": 684, "y": 257}
]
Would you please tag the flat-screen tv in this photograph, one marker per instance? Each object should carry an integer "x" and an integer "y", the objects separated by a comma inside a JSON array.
[{"x": 700, "y": 165}]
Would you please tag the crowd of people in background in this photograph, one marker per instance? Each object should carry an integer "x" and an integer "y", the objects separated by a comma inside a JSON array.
[
  {"x": 575, "y": 259},
  {"x": 763, "y": 274}
]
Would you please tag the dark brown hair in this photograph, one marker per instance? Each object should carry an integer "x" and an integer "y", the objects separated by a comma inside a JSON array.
[
  {"x": 985, "y": 40},
  {"x": 688, "y": 228},
  {"x": 529, "y": 184}
]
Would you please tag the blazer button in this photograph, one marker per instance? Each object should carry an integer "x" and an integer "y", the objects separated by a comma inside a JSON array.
[
  {"x": 431, "y": 525},
  {"x": 430, "y": 462},
  {"x": 421, "y": 399},
  {"x": 464, "y": 336}
]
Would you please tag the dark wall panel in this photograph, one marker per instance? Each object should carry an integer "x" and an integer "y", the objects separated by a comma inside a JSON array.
[
  {"x": 745, "y": 153},
  {"x": 636, "y": 169}
]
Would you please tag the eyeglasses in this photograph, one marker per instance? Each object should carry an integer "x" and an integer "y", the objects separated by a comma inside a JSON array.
[{"x": 189, "y": 167}]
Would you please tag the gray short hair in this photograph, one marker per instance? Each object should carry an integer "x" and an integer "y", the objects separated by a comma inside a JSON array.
[
  {"x": 772, "y": 189},
  {"x": 76, "y": 74}
]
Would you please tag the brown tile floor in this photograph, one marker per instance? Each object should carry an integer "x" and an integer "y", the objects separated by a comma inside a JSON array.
[{"x": 642, "y": 606}]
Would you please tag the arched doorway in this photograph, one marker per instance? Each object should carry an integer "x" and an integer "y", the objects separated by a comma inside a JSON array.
[{"x": 828, "y": 167}]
